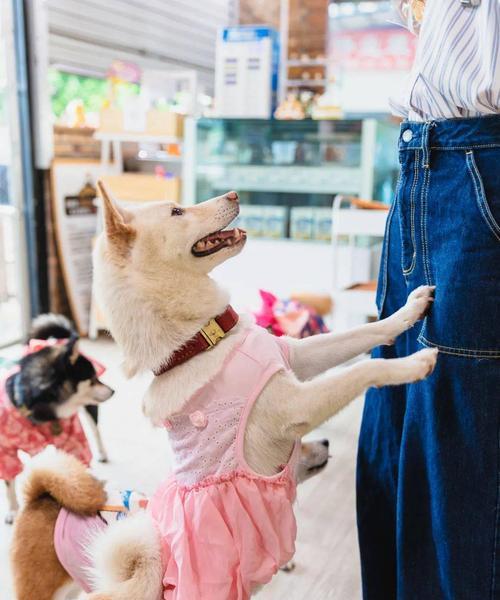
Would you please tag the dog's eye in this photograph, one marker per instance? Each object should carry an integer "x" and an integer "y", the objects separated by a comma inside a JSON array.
[{"x": 177, "y": 212}]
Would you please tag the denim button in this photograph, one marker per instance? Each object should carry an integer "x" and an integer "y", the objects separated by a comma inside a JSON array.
[{"x": 407, "y": 135}]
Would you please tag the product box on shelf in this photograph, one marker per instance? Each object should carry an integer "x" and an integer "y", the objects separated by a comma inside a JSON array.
[
  {"x": 322, "y": 227},
  {"x": 263, "y": 221},
  {"x": 274, "y": 221},
  {"x": 302, "y": 223},
  {"x": 164, "y": 122}
]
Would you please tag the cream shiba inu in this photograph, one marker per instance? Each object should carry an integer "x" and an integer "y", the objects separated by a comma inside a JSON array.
[{"x": 152, "y": 275}]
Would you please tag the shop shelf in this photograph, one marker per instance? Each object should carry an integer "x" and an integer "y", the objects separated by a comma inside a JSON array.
[
  {"x": 313, "y": 62},
  {"x": 137, "y": 138},
  {"x": 307, "y": 82}
]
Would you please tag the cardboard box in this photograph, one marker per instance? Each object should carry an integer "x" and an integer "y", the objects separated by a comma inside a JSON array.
[
  {"x": 140, "y": 187},
  {"x": 111, "y": 120},
  {"x": 164, "y": 122}
]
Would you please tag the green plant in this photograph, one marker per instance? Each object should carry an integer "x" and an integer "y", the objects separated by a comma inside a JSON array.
[{"x": 92, "y": 91}]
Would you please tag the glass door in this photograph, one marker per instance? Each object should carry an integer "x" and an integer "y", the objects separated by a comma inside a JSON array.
[{"x": 14, "y": 294}]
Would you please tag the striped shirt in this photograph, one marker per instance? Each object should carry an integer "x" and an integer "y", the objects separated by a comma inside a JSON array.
[{"x": 456, "y": 72}]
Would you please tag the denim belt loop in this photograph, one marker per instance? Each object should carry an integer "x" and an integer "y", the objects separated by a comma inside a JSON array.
[{"x": 426, "y": 147}]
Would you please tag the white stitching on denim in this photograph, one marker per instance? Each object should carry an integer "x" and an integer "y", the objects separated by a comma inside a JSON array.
[
  {"x": 409, "y": 270},
  {"x": 426, "y": 156},
  {"x": 481, "y": 195},
  {"x": 423, "y": 226},
  {"x": 458, "y": 351},
  {"x": 471, "y": 147}
]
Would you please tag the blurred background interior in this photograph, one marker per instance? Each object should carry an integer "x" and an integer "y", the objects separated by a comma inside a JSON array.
[{"x": 285, "y": 101}]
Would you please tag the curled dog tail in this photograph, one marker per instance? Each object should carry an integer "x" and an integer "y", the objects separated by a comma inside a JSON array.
[
  {"x": 127, "y": 561},
  {"x": 51, "y": 325},
  {"x": 65, "y": 479}
]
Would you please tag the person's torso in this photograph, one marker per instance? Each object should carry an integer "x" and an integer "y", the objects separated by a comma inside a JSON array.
[{"x": 456, "y": 73}]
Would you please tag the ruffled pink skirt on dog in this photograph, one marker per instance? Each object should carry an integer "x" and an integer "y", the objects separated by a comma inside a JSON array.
[{"x": 225, "y": 529}]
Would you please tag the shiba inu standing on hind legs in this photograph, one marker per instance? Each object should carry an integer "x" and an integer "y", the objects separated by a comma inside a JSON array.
[{"x": 234, "y": 399}]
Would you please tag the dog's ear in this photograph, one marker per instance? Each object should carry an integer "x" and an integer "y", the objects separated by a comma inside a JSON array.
[
  {"x": 116, "y": 219},
  {"x": 70, "y": 350}
]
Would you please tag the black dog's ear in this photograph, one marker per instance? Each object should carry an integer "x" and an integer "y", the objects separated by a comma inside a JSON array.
[{"x": 70, "y": 350}]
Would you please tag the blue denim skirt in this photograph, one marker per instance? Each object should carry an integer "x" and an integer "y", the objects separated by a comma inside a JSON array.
[{"x": 429, "y": 453}]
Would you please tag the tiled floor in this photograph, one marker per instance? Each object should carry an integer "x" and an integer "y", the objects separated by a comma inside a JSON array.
[{"x": 327, "y": 556}]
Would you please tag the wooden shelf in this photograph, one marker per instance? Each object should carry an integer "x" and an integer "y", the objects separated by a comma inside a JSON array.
[
  {"x": 139, "y": 138},
  {"x": 306, "y": 82},
  {"x": 307, "y": 63}
]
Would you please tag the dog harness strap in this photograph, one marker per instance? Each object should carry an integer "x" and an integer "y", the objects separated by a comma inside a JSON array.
[{"x": 208, "y": 336}]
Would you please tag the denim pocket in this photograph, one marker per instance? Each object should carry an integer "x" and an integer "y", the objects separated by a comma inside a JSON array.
[
  {"x": 487, "y": 211},
  {"x": 462, "y": 251}
]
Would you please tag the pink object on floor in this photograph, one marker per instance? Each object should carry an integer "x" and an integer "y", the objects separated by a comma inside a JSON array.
[
  {"x": 225, "y": 529},
  {"x": 288, "y": 317}
]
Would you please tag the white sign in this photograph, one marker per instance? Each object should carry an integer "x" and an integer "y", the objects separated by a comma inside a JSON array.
[{"x": 75, "y": 216}]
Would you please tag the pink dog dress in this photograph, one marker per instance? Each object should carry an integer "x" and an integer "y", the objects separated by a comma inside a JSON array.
[
  {"x": 73, "y": 534},
  {"x": 224, "y": 528}
]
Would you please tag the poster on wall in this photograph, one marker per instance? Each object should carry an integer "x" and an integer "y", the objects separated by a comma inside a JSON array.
[{"x": 75, "y": 220}]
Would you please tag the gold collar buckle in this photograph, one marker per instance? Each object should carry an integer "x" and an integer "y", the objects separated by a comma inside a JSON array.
[{"x": 212, "y": 332}]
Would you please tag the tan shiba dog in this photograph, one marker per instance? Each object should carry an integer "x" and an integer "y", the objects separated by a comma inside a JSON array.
[{"x": 152, "y": 274}]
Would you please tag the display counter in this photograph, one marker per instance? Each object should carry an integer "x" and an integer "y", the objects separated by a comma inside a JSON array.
[{"x": 288, "y": 172}]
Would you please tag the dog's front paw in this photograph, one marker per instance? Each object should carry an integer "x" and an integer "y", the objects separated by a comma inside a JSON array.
[
  {"x": 416, "y": 307},
  {"x": 398, "y": 371},
  {"x": 10, "y": 517}
]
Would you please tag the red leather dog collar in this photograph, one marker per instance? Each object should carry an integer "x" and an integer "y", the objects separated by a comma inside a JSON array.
[{"x": 208, "y": 336}]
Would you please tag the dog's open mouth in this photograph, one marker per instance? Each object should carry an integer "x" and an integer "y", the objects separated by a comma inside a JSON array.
[
  {"x": 214, "y": 242},
  {"x": 319, "y": 467}
]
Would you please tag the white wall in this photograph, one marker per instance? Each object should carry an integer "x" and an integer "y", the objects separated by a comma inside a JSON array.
[
  {"x": 369, "y": 91},
  {"x": 278, "y": 266}
]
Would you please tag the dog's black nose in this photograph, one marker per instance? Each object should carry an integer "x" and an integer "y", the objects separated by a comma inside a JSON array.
[{"x": 325, "y": 443}]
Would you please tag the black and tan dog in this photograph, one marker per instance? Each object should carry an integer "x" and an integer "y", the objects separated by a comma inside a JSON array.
[{"x": 40, "y": 399}]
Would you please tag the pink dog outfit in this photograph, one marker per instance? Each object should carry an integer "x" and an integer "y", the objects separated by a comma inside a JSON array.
[
  {"x": 73, "y": 534},
  {"x": 224, "y": 528}
]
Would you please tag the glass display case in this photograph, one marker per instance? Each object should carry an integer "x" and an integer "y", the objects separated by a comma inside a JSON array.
[{"x": 288, "y": 172}]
